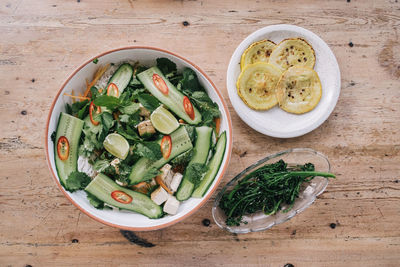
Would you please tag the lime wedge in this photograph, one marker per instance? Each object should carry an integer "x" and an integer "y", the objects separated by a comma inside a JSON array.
[
  {"x": 163, "y": 120},
  {"x": 116, "y": 145}
]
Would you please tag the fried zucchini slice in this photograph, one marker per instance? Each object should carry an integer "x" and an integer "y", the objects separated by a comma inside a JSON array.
[
  {"x": 292, "y": 52},
  {"x": 257, "y": 52},
  {"x": 256, "y": 85},
  {"x": 298, "y": 90}
]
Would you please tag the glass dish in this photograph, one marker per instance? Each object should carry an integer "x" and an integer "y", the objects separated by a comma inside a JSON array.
[{"x": 308, "y": 192}]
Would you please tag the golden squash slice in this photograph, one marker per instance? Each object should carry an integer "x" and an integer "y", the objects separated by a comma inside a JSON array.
[
  {"x": 257, "y": 52},
  {"x": 298, "y": 90},
  {"x": 256, "y": 85},
  {"x": 292, "y": 52}
]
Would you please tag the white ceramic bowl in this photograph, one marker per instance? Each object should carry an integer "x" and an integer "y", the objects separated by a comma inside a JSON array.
[
  {"x": 125, "y": 219},
  {"x": 276, "y": 122}
]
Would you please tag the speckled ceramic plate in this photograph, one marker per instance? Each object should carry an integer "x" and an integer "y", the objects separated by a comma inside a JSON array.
[{"x": 276, "y": 122}]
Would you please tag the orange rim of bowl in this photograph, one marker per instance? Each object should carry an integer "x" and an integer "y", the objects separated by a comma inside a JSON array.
[{"x": 205, "y": 198}]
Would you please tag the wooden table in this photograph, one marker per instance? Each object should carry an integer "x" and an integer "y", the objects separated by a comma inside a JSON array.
[{"x": 354, "y": 223}]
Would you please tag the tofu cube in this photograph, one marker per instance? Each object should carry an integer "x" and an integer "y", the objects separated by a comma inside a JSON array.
[
  {"x": 146, "y": 129},
  {"x": 144, "y": 112},
  {"x": 171, "y": 206},
  {"x": 176, "y": 181},
  {"x": 166, "y": 175},
  {"x": 159, "y": 195}
]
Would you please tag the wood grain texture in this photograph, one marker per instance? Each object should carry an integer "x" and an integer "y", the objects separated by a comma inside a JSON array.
[{"x": 44, "y": 41}]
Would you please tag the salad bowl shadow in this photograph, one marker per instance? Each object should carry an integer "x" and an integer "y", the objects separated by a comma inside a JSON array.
[
  {"x": 308, "y": 191},
  {"x": 120, "y": 218}
]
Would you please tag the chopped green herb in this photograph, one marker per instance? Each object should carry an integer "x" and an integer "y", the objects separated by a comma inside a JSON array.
[
  {"x": 149, "y": 102},
  {"x": 166, "y": 66},
  {"x": 195, "y": 172},
  {"x": 95, "y": 61},
  {"x": 150, "y": 150},
  {"x": 97, "y": 203},
  {"x": 77, "y": 181}
]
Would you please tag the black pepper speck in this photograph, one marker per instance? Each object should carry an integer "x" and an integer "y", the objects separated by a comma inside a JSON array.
[
  {"x": 28, "y": 265},
  {"x": 33, "y": 80},
  {"x": 332, "y": 225},
  {"x": 351, "y": 44},
  {"x": 185, "y": 23},
  {"x": 288, "y": 265},
  {"x": 24, "y": 112},
  {"x": 206, "y": 222},
  {"x": 75, "y": 241}
]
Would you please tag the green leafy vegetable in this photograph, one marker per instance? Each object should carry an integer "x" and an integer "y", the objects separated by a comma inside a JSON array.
[
  {"x": 189, "y": 82},
  {"x": 83, "y": 112},
  {"x": 266, "y": 189},
  {"x": 79, "y": 109},
  {"x": 195, "y": 172},
  {"x": 191, "y": 130},
  {"x": 97, "y": 203},
  {"x": 149, "y": 102},
  {"x": 150, "y": 150},
  {"x": 130, "y": 109},
  {"x": 101, "y": 165},
  {"x": 77, "y": 181},
  {"x": 209, "y": 109},
  {"x": 53, "y": 136},
  {"x": 151, "y": 173},
  {"x": 109, "y": 102},
  {"x": 95, "y": 61},
  {"x": 165, "y": 65},
  {"x": 182, "y": 159}
]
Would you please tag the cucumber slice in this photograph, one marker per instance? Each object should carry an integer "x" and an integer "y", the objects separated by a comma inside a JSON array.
[
  {"x": 104, "y": 189},
  {"x": 121, "y": 77},
  {"x": 171, "y": 97},
  {"x": 69, "y": 128},
  {"x": 180, "y": 143},
  {"x": 213, "y": 167},
  {"x": 200, "y": 155}
]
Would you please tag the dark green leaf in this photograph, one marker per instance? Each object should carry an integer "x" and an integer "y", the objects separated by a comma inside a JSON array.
[
  {"x": 195, "y": 172},
  {"x": 189, "y": 82},
  {"x": 97, "y": 203},
  {"x": 165, "y": 65},
  {"x": 151, "y": 173},
  {"x": 53, "y": 136},
  {"x": 191, "y": 130},
  {"x": 101, "y": 165},
  {"x": 208, "y": 109},
  {"x": 148, "y": 101},
  {"x": 68, "y": 109},
  {"x": 77, "y": 181},
  {"x": 95, "y": 61},
  {"x": 124, "y": 118},
  {"x": 107, "y": 120},
  {"x": 183, "y": 159},
  {"x": 109, "y": 102},
  {"x": 150, "y": 150},
  {"x": 83, "y": 112},
  {"x": 95, "y": 92},
  {"x": 77, "y": 106},
  {"x": 130, "y": 109}
]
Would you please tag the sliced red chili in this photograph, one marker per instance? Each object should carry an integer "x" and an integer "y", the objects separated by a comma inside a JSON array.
[
  {"x": 63, "y": 148},
  {"x": 187, "y": 105},
  {"x": 166, "y": 146},
  {"x": 121, "y": 197},
  {"x": 160, "y": 84},
  {"x": 91, "y": 111},
  {"x": 112, "y": 90}
]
